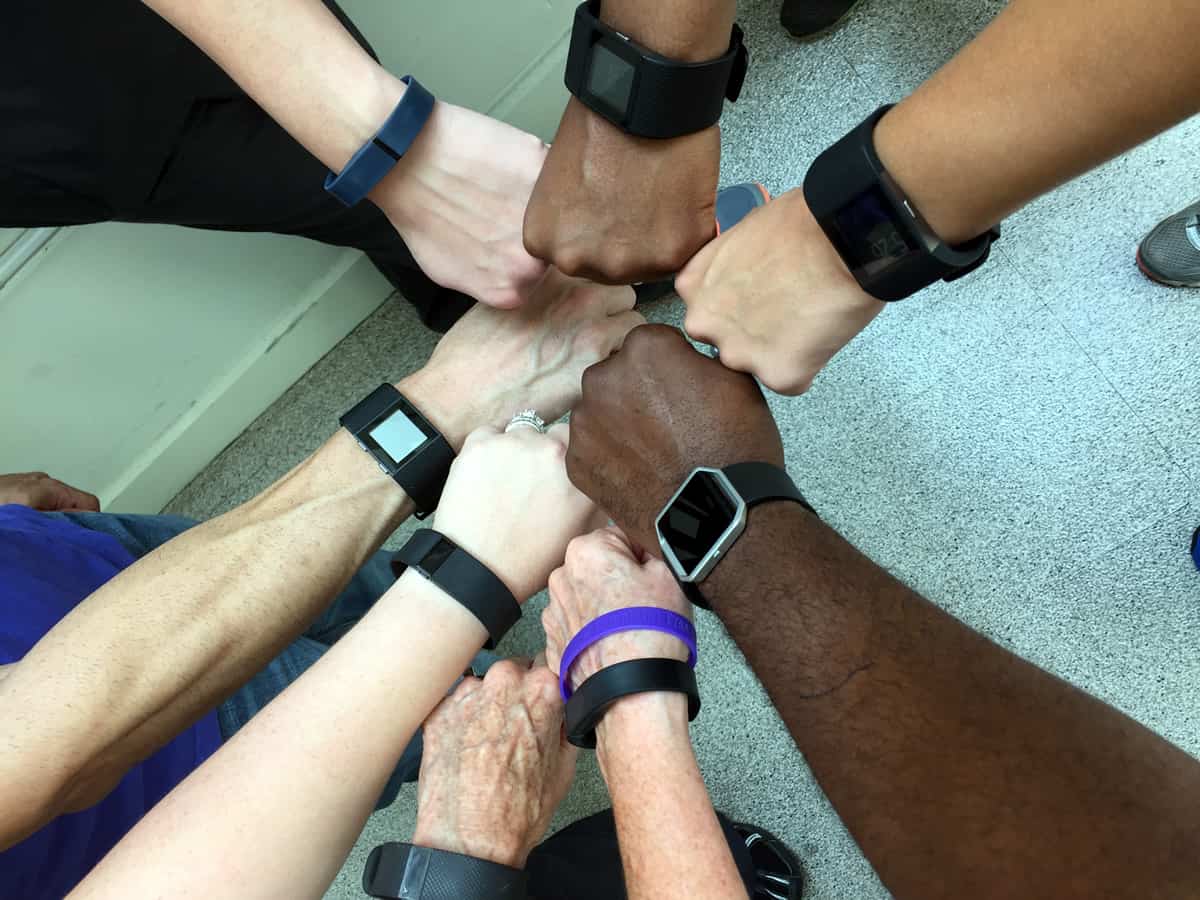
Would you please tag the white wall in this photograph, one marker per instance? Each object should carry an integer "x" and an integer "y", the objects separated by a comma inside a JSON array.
[{"x": 131, "y": 354}]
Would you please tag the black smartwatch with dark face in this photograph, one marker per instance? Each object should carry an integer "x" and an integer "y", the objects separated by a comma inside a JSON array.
[
  {"x": 708, "y": 513},
  {"x": 880, "y": 234},
  {"x": 643, "y": 93},
  {"x": 404, "y": 443}
]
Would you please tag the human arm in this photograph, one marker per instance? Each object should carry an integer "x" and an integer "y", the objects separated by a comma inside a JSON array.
[
  {"x": 671, "y": 843},
  {"x": 307, "y": 770},
  {"x": 173, "y": 635},
  {"x": 618, "y": 208},
  {"x": 37, "y": 490},
  {"x": 1049, "y": 90},
  {"x": 457, "y": 198},
  {"x": 960, "y": 769}
]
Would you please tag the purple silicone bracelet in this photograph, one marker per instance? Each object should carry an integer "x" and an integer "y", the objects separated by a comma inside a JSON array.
[{"x": 633, "y": 618}]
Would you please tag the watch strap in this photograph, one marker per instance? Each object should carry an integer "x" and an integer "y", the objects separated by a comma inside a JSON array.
[
  {"x": 588, "y": 705},
  {"x": 669, "y": 98},
  {"x": 378, "y": 156},
  {"x": 760, "y": 482},
  {"x": 422, "y": 476},
  {"x": 463, "y": 577},
  {"x": 408, "y": 872}
]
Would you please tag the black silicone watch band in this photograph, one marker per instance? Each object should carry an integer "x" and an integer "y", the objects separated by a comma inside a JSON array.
[
  {"x": 463, "y": 577},
  {"x": 668, "y": 98},
  {"x": 850, "y": 168},
  {"x": 591, "y": 701},
  {"x": 422, "y": 475},
  {"x": 407, "y": 872}
]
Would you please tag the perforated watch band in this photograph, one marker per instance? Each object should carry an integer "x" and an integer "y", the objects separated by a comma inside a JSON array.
[
  {"x": 463, "y": 577},
  {"x": 407, "y": 872}
]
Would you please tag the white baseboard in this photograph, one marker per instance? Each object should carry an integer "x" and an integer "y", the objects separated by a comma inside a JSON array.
[{"x": 351, "y": 291}]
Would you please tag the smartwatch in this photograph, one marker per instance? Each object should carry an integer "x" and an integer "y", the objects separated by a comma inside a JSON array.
[
  {"x": 643, "y": 93},
  {"x": 880, "y": 234},
  {"x": 463, "y": 577},
  {"x": 708, "y": 513},
  {"x": 405, "y": 445},
  {"x": 406, "y": 872}
]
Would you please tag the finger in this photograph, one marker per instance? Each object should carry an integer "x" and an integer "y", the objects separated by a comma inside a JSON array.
[
  {"x": 618, "y": 300},
  {"x": 61, "y": 496},
  {"x": 699, "y": 326},
  {"x": 482, "y": 433},
  {"x": 539, "y": 661},
  {"x": 561, "y": 433},
  {"x": 690, "y": 279},
  {"x": 620, "y": 326}
]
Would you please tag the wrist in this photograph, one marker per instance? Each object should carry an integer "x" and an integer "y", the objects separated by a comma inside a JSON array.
[
  {"x": 365, "y": 110},
  {"x": 435, "y": 397},
  {"x": 655, "y": 722},
  {"x": 498, "y": 848},
  {"x": 956, "y": 208},
  {"x": 769, "y": 530}
]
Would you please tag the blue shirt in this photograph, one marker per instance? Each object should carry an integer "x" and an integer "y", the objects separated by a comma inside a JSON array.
[{"x": 47, "y": 566}]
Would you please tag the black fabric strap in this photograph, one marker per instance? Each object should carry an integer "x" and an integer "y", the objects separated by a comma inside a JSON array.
[
  {"x": 591, "y": 701},
  {"x": 670, "y": 98},
  {"x": 407, "y": 872},
  {"x": 422, "y": 475},
  {"x": 463, "y": 577}
]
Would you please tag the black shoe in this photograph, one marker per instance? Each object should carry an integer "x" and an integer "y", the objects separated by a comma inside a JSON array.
[
  {"x": 1196, "y": 547},
  {"x": 776, "y": 869},
  {"x": 807, "y": 19}
]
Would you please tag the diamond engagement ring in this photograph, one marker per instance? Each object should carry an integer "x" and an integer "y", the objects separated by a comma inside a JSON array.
[{"x": 527, "y": 418}]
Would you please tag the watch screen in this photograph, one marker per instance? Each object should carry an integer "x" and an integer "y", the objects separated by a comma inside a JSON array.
[
  {"x": 871, "y": 240},
  {"x": 397, "y": 436},
  {"x": 610, "y": 79},
  {"x": 695, "y": 521}
]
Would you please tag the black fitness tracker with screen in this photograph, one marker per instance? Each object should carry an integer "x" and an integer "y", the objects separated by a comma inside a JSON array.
[
  {"x": 888, "y": 246},
  {"x": 463, "y": 577},
  {"x": 406, "y": 872},
  {"x": 406, "y": 446},
  {"x": 708, "y": 513},
  {"x": 643, "y": 93}
]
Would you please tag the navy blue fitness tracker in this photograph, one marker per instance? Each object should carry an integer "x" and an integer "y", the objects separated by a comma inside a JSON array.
[
  {"x": 377, "y": 156},
  {"x": 880, "y": 234}
]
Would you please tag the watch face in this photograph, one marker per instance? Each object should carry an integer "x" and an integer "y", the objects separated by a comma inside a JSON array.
[
  {"x": 610, "y": 79},
  {"x": 694, "y": 523},
  {"x": 871, "y": 239},
  {"x": 399, "y": 434}
]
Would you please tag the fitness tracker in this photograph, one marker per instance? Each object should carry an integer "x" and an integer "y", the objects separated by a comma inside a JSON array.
[
  {"x": 463, "y": 577},
  {"x": 707, "y": 514},
  {"x": 643, "y": 93},
  {"x": 406, "y": 872},
  {"x": 379, "y": 155},
  {"x": 889, "y": 248},
  {"x": 588, "y": 705},
  {"x": 408, "y": 449}
]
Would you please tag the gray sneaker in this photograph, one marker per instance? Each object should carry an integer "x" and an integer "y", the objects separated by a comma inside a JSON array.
[{"x": 1170, "y": 253}]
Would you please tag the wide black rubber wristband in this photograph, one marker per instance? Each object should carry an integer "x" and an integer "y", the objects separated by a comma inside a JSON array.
[
  {"x": 463, "y": 577},
  {"x": 407, "y": 872},
  {"x": 591, "y": 701}
]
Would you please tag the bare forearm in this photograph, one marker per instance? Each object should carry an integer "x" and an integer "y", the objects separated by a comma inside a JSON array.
[
  {"x": 307, "y": 770},
  {"x": 671, "y": 843},
  {"x": 1050, "y": 89},
  {"x": 173, "y": 635},
  {"x": 298, "y": 62},
  {"x": 961, "y": 769}
]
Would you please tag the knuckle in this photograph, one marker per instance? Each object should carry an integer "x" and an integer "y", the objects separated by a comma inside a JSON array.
[{"x": 502, "y": 675}]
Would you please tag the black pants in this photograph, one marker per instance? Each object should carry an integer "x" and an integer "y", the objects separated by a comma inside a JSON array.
[
  {"x": 583, "y": 861},
  {"x": 128, "y": 121}
]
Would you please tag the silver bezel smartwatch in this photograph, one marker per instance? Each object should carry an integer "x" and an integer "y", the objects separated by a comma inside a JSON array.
[{"x": 704, "y": 518}]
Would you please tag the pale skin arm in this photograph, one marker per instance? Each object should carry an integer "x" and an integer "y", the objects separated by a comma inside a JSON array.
[
  {"x": 457, "y": 198},
  {"x": 671, "y": 842},
  {"x": 330, "y": 750}
]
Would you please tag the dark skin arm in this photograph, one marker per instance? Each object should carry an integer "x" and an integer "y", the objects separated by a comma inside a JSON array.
[
  {"x": 960, "y": 769},
  {"x": 619, "y": 209}
]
